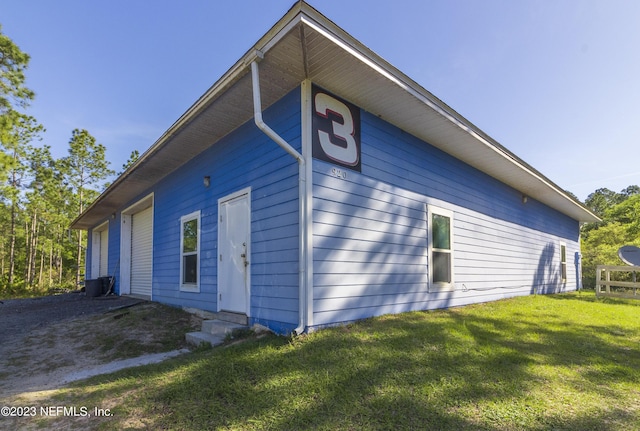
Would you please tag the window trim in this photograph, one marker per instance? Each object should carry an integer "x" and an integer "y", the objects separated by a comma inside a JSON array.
[
  {"x": 190, "y": 287},
  {"x": 440, "y": 286},
  {"x": 563, "y": 264}
]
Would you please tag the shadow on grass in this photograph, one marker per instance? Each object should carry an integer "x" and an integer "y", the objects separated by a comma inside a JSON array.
[{"x": 470, "y": 368}]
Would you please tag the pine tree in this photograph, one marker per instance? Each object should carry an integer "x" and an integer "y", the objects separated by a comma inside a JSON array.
[{"x": 85, "y": 169}]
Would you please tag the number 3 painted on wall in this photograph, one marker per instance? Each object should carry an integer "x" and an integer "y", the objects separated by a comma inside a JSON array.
[
  {"x": 336, "y": 128},
  {"x": 349, "y": 154}
]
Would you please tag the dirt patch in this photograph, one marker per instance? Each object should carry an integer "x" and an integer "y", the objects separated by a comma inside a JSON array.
[
  {"x": 47, "y": 341},
  {"x": 20, "y": 316}
]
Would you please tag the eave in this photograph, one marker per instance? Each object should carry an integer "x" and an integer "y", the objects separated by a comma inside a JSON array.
[{"x": 306, "y": 45}]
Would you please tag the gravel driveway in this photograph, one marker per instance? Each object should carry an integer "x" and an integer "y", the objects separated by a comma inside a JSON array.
[
  {"x": 18, "y": 317},
  {"x": 45, "y": 340}
]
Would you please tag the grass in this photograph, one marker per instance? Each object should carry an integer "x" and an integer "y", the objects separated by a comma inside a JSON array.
[{"x": 565, "y": 362}]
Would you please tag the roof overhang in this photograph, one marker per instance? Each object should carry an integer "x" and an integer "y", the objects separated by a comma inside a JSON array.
[{"x": 306, "y": 45}]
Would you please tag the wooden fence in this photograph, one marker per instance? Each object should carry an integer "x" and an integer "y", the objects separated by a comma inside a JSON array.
[{"x": 618, "y": 281}]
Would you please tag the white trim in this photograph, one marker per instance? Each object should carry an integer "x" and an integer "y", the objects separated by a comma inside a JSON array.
[
  {"x": 563, "y": 280},
  {"x": 433, "y": 210},
  {"x": 125, "y": 240},
  {"x": 306, "y": 229},
  {"x": 95, "y": 248},
  {"x": 190, "y": 287},
  {"x": 140, "y": 205},
  {"x": 246, "y": 192},
  {"x": 235, "y": 195},
  {"x": 125, "y": 254},
  {"x": 102, "y": 226}
]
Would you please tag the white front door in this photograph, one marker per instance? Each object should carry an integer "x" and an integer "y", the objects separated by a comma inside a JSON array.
[{"x": 234, "y": 251}]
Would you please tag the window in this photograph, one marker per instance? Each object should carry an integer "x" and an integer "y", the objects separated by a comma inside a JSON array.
[
  {"x": 189, "y": 252},
  {"x": 440, "y": 248},
  {"x": 563, "y": 262}
]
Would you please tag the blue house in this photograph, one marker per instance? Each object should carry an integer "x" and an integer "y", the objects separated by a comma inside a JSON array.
[{"x": 315, "y": 184}]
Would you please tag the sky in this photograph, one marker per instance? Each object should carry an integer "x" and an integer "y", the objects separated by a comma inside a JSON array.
[{"x": 557, "y": 82}]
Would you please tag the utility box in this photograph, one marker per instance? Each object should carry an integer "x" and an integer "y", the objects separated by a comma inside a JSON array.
[
  {"x": 93, "y": 288},
  {"x": 106, "y": 282}
]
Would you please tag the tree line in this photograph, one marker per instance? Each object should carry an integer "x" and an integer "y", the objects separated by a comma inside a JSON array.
[
  {"x": 40, "y": 195},
  {"x": 620, "y": 225}
]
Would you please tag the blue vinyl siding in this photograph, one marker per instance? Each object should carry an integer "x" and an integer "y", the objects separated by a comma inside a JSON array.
[
  {"x": 114, "y": 251},
  {"x": 245, "y": 158},
  {"x": 371, "y": 232},
  {"x": 369, "y": 247}
]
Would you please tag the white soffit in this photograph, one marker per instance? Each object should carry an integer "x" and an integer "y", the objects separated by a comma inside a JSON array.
[
  {"x": 304, "y": 44},
  {"x": 351, "y": 70}
]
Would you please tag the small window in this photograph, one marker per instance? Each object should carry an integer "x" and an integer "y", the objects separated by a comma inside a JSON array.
[
  {"x": 440, "y": 248},
  {"x": 189, "y": 251},
  {"x": 563, "y": 262}
]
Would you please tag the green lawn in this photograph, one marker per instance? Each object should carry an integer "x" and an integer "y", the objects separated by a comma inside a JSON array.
[{"x": 562, "y": 362}]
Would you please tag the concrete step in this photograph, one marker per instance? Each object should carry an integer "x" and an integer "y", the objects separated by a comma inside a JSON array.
[
  {"x": 197, "y": 338},
  {"x": 227, "y": 316},
  {"x": 214, "y": 332},
  {"x": 219, "y": 327}
]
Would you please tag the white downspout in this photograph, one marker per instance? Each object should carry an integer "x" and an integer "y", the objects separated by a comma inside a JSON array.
[{"x": 302, "y": 195}]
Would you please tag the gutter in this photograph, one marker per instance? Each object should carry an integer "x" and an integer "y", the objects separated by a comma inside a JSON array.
[{"x": 302, "y": 191}]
